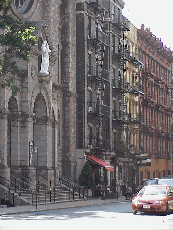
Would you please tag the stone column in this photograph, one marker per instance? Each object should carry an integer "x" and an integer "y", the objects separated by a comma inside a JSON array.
[
  {"x": 49, "y": 143},
  {"x": 68, "y": 70},
  {"x": 15, "y": 143},
  {"x": 4, "y": 169}
]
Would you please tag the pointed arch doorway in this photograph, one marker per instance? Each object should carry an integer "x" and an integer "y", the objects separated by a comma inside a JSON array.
[{"x": 40, "y": 129}]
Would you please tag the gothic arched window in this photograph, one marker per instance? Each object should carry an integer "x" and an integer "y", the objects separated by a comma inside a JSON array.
[{"x": 23, "y": 6}]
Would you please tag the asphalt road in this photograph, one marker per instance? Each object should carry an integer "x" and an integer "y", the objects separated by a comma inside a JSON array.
[{"x": 114, "y": 215}]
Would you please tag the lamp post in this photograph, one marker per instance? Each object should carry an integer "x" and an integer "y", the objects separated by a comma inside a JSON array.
[
  {"x": 36, "y": 151},
  {"x": 31, "y": 148}
]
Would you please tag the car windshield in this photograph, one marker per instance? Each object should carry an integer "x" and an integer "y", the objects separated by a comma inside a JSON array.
[
  {"x": 151, "y": 182},
  {"x": 153, "y": 191},
  {"x": 166, "y": 181}
]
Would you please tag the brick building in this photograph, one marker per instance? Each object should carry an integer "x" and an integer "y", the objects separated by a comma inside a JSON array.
[{"x": 155, "y": 105}]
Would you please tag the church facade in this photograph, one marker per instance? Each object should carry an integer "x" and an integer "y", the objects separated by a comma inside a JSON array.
[{"x": 43, "y": 113}]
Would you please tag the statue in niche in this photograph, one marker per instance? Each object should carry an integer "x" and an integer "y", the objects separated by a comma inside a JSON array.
[{"x": 45, "y": 58}]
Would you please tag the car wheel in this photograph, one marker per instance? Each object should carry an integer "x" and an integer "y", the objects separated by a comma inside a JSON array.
[{"x": 134, "y": 212}]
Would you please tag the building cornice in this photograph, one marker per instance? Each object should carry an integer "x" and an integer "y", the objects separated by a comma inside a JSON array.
[
  {"x": 120, "y": 3},
  {"x": 153, "y": 44}
]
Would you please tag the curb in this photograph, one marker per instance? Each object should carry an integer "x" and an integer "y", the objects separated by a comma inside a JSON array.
[{"x": 62, "y": 207}]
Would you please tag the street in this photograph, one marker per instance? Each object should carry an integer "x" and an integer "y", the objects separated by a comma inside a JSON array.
[{"x": 105, "y": 215}]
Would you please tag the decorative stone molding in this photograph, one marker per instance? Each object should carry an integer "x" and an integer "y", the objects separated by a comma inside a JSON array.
[
  {"x": 53, "y": 56},
  {"x": 24, "y": 10},
  {"x": 44, "y": 77},
  {"x": 40, "y": 88},
  {"x": 33, "y": 72},
  {"x": 35, "y": 52}
]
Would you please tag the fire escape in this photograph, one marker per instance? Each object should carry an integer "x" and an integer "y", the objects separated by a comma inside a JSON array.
[
  {"x": 98, "y": 80},
  {"x": 155, "y": 101},
  {"x": 133, "y": 90},
  {"x": 120, "y": 25}
]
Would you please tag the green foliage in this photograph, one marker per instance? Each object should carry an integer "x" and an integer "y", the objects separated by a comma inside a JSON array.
[
  {"x": 14, "y": 41},
  {"x": 86, "y": 177}
]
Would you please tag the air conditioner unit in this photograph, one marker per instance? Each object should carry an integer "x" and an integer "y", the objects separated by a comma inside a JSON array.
[{"x": 90, "y": 109}]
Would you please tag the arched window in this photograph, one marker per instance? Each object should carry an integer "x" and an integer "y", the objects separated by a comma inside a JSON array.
[
  {"x": 19, "y": 3},
  {"x": 23, "y": 6},
  {"x": 12, "y": 132}
]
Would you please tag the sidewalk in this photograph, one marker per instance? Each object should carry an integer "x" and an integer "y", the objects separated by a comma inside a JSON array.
[{"x": 60, "y": 205}]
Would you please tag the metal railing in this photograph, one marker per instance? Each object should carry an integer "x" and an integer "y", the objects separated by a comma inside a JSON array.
[
  {"x": 93, "y": 107},
  {"x": 51, "y": 191},
  {"x": 9, "y": 196},
  {"x": 73, "y": 187},
  {"x": 121, "y": 21},
  {"x": 100, "y": 37}
]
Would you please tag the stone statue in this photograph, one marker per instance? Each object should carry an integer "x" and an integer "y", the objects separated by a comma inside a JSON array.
[{"x": 45, "y": 58}]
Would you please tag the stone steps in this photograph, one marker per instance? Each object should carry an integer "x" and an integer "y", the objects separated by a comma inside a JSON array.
[{"x": 61, "y": 194}]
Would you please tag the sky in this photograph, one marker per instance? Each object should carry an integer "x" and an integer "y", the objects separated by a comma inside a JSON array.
[{"x": 154, "y": 14}]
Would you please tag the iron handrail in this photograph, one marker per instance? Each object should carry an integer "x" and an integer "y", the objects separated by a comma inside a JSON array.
[
  {"x": 12, "y": 183},
  {"x": 70, "y": 182},
  {"x": 23, "y": 180},
  {"x": 29, "y": 181}
]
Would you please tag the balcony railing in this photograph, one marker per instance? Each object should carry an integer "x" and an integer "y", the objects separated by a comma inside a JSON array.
[
  {"x": 135, "y": 89},
  {"x": 100, "y": 37},
  {"x": 122, "y": 22},
  {"x": 98, "y": 73},
  {"x": 117, "y": 55},
  {"x": 95, "y": 143},
  {"x": 118, "y": 86},
  {"x": 101, "y": 8},
  {"x": 93, "y": 107},
  {"x": 118, "y": 116}
]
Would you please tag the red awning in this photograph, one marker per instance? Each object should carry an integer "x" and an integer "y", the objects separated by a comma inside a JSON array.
[{"x": 101, "y": 162}]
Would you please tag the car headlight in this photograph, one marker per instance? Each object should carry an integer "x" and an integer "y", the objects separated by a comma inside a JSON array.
[
  {"x": 135, "y": 201},
  {"x": 159, "y": 202}
]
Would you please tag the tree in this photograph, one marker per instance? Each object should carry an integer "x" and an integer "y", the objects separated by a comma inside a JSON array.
[
  {"x": 86, "y": 177},
  {"x": 15, "y": 40}
]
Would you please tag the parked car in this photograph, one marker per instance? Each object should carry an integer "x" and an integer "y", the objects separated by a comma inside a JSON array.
[
  {"x": 153, "y": 198},
  {"x": 146, "y": 182}
]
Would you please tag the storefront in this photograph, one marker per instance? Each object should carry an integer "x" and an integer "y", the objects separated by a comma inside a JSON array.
[{"x": 103, "y": 174}]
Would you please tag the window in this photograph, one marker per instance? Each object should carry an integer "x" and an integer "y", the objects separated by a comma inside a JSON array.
[
  {"x": 159, "y": 175},
  {"x": 23, "y": 6},
  {"x": 89, "y": 27},
  {"x": 148, "y": 174},
  {"x": 19, "y": 3},
  {"x": 90, "y": 135},
  {"x": 163, "y": 173},
  {"x": 141, "y": 176}
]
